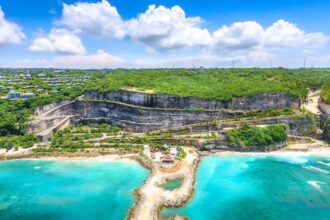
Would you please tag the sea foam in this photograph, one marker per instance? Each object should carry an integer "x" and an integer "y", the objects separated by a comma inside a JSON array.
[
  {"x": 312, "y": 168},
  {"x": 293, "y": 159},
  {"x": 323, "y": 163},
  {"x": 315, "y": 184}
]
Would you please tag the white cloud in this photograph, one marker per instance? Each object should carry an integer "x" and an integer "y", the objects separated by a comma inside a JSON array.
[
  {"x": 240, "y": 35},
  {"x": 99, "y": 60},
  {"x": 161, "y": 29},
  {"x": 10, "y": 33},
  {"x": 58, "y": 41},
  {"x": 164, "y": 29},
  {"x": 283, "y": 34},
  {"x": 98, "y": 19},
  {"x": 251, "y": 35}
]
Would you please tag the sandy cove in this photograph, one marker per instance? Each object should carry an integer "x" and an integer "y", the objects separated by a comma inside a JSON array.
[{"x": 151, "y": 198}]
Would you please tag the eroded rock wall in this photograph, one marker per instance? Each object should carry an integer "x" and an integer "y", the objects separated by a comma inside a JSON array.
[
  {"x": 140, "y": 119},
  {"x": 326, "y": 128},
  {"x": 325, "y": 108},
  {"x": 261, "y": 101}
]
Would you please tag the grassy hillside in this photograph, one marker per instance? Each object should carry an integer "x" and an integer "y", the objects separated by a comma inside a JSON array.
[
  {"x": 325, "y": 92},
  {"x": 218, "y": 84}
]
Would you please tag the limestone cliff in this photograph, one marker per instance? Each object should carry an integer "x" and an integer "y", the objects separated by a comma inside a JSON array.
[
  {"x": 261, "y": 101},
  {"x": 325, "y": 107}
]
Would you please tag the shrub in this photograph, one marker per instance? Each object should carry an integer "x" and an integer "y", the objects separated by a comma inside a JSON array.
[{"x": 248, "y": 136}]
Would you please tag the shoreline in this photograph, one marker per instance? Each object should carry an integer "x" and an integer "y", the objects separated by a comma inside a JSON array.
[
  {"x": 149, "y": 198},
  {"x": 313, "y": 151}
]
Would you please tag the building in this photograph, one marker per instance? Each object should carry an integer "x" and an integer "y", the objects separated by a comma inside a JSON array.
[
  {"x": 12, "y": 95},
  {"x": 173, "y": 151},
  {"x": 168, "y": 161}
]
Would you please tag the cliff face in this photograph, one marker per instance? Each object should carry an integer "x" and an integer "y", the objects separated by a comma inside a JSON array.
[
  {"x": 325, "y": 108},
  {"x": 140, "y": 112},
  {"x": 141, "y": 119},
  {"x": 326, "y": 129},
  {"x": 262, "y": 101}
]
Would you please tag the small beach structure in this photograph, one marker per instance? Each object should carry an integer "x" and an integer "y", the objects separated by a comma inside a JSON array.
[
  {"x": 167, "y": 161},
  {"x": 173, "y": 151}
]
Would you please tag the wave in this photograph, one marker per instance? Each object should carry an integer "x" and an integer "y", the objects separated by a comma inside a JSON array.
[
  {"x": 37, "y": 168},
  {"x": 315, "y": 184},
  {"x": 323, "y": 163},
  {"x": 293, "y": 159},
  {"x": 312, "y": 168}
]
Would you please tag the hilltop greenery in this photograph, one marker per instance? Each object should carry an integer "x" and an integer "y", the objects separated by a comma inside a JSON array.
[
  {"x": 218, "y": 84},
  {"x": 14, "y": 114},
  {"x": 325, "y": 92},
  {"x": 249, "y": 136}
]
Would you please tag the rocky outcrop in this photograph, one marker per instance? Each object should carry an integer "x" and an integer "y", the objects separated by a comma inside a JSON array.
[
  {"x": 50, "y": 107},
  {"x": 132, "y": 118},
  {"x": 142, "y": 119},
  {"x": 257, "y": 102},
  {"x": 326, "y": 130},
  {"x": 325, "y": 107}
]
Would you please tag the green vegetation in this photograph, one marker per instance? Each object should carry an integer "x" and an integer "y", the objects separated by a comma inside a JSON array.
[
  {"x": 218, "y": 84},
  {"x": 18, "y": 141},
  {"x": 250, "y": 136},
  {"x": 15, "y": 114},
  {"x": 78, "y": 136},
  {"x": 325, "y": 93},
  {"x": 181, "y": 153}
]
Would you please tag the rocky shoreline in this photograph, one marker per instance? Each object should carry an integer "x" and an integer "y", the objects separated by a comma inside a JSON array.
[{"x": 151, "y": 199}]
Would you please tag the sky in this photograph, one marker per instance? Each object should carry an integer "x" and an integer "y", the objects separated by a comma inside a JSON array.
[{"x": 93, "y": 34}]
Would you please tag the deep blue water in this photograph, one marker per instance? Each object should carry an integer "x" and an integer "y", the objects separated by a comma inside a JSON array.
[
  {"x": 260, "y": 188},
  {"x": 36, "y": 189}
]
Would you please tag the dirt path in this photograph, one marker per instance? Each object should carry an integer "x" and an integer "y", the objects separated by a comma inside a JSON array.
[{"x": 312, "y": 104}]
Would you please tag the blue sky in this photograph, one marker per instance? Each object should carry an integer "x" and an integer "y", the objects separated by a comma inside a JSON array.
[{"x": 147, "y": 34}]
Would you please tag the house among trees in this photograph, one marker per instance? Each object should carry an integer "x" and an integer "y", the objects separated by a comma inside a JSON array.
[{"x": 12, "y": 95}]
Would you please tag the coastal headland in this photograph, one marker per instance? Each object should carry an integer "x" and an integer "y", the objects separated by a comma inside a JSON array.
[{"x": 169, "y": 134}]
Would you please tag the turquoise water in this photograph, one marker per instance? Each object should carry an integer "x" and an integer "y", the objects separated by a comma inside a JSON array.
[
  {"x": 67, "y": 190},
  {"x": 260, "y": 188},
  {"x": 172, "y": 184}
]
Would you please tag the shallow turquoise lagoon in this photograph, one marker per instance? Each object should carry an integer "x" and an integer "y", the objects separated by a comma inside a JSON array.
[
  {"x": 36, "y": 189},
  {"x": 260, "y": 188}
]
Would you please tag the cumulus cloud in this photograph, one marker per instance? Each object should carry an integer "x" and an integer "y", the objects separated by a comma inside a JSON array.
[
  {"x": 161, "y": 28},
  {"x": 287, "y": 35},
  {"x": 280, "y": 35},
  {"x": 240, "y": 35},
  {"x": 168, "y": 29},
  {"x": 99, "y": 60},
  {"x": 10, "y": 33},
  {"x": 58, "y": 41},
  {"x": 98, "y": 19}
]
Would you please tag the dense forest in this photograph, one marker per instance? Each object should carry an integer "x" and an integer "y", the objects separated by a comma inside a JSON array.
[{"x": 218, "y": 84}]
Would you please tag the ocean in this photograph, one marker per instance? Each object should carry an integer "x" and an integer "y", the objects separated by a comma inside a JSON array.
[
  {"x": 282, "y": 187},
  {"x": 45, "y": 189}
]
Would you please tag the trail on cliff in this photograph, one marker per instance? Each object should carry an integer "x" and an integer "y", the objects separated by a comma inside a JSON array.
[{"x": 312, "y": 104}]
